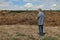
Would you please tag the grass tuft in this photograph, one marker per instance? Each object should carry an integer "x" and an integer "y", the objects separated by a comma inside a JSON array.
[
  {"x": 19, "y": 34},
  {"x": 14, "y": 38},
  {"x": 31, "y": 37},
  {"x": 58, "y": 35},
  {"x": 50, "y": 38}
]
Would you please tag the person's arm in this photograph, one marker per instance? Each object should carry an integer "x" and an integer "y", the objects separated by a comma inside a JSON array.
[{"x": 37, "y": 17}]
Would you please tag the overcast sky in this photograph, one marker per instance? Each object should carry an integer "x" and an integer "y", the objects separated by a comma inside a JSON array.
[{"x": 29, "y": 4}]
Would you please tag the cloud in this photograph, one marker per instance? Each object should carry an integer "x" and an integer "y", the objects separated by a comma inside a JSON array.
[
  {"x": 33, "y": 7},
  {"x": 28, "y": 5},
  {"x": 56, "y": 6},
  {"x": 31, "y": 0},
  {"x": 15, "y": 0},
  {"x": 53, "y": 6},
  {"x": 4, "y": 4},
  {"x": 41, "y": 6},
  {"x": 9, "y": 6},
  {"x": 2, "y": 1}
]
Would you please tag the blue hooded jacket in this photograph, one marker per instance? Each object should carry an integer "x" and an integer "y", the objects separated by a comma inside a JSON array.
[{"x": 40, "y": 18}]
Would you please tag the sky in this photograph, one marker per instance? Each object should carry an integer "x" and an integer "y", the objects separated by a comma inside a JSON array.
[{"x": 29, "y": 4}]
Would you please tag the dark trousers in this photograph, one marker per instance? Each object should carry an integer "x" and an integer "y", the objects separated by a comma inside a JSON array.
[{"x": 41, "y": 30}]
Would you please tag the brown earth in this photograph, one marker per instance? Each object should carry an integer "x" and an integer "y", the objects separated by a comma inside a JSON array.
[{"x": 28, "y": 18}]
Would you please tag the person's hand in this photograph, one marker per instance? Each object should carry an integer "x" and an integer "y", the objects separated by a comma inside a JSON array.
[{"x": 36, "y": 17}]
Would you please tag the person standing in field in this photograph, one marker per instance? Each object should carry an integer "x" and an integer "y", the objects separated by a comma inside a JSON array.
[{"x": 40, "y": 20}]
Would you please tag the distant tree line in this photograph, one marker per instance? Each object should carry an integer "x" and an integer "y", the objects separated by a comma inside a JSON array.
[{"x": 19, "y": 11}]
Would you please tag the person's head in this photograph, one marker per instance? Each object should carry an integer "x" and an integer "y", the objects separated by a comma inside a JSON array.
[{"x": 39, "y": 10}]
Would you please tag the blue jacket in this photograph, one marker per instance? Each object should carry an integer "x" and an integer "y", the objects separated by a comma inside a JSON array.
[{"x": 40, "y": 18}]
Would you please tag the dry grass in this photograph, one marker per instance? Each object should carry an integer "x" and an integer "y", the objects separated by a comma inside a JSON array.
[
  {"x": 29, "y": 18},
  {"x": 11, "y": 27},
  {"x": 27, "y": 32}
]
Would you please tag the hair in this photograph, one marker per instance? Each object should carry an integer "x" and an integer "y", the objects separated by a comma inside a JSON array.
[{"x": 39, "y": 9}]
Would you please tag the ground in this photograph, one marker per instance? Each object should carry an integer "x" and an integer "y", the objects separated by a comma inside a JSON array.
[
  {"x": 28, "y": 32},
  {"x": 51, "y": 18}
]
